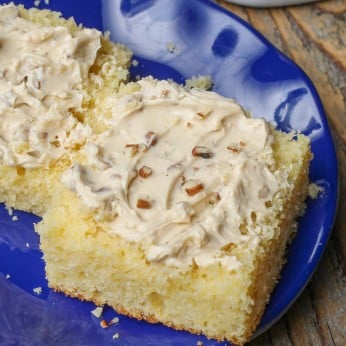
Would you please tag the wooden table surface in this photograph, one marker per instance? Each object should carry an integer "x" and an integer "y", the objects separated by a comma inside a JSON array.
[{"x": 314, "y": 36}]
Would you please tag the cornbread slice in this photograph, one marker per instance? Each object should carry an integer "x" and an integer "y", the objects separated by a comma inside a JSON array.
[
  {"x": 180, "y": 213},
  {"x": 54, "y": 79}
]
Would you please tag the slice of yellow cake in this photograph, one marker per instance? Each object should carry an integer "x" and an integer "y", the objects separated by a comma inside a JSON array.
[
  {"x": 170, "y": 205},
  {"x": 180, "y": 212},
  {"x": 54, "y": 79}
]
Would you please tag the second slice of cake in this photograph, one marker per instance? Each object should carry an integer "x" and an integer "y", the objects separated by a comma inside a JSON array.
[{"x": 54, "y": 79}]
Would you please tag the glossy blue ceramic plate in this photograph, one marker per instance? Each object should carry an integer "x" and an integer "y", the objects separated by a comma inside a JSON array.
[{"x": 203, "y": 39}]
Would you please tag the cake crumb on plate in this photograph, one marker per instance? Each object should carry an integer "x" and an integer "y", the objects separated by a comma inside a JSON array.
[
  {"x": 314, "y": 190},
  {"x": 97, "y": 312},
  {"x": 37, "y": 290},
  {"x": 116, "y": 336},
  {"x": 172, "y": 48},
  {"x": 114, "y": 320}
]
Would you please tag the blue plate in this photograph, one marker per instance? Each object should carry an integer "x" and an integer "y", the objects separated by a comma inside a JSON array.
[{"x": 176, "y": 39}]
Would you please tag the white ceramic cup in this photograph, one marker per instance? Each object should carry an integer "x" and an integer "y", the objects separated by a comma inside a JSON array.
[{"x": 269, "y": 3}]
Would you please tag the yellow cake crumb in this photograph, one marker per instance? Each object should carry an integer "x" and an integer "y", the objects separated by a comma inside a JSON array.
[
  {"x": 201, "y": 82},
  {"x": 116, "y": 336},
  {"x": 314, "y": 190},
  {"x": 37, "y": 290},
  {"x": 97, "y": 312}
]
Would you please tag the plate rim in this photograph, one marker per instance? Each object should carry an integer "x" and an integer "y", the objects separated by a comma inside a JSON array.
[{"x": 327, "y": 128}]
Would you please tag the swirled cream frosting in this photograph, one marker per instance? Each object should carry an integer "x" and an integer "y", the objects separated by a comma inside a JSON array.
[
  {"x": 181, "y": 172},
  {"x": 41, "y": 74},
  {"x": 187, "y": 174}
]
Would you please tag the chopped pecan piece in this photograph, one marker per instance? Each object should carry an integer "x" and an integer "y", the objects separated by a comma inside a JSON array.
[
  {"x": 143, "y": 204},
  {"x": 214, "y": 198},
  {"x": 145, "y": 172},
  {"x": 201, "y": 116},
  {"x": 151, "y": 138},
  {"x": 104, "y": 324},
  {"x": 134, "y": 148},
  {"x": 33, "y": 153},
  {"x": 192, "y": 187},
  {"x": 202, "y": 152},
  {"x": 182, "y": 180},
  {"x": 233, "y": 149},
  {"x": 228, "y": 247},
  {"x": 164, "y": 93}
]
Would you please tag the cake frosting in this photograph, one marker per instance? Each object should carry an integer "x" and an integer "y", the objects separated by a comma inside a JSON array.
[
  {"x": 183, "y": 172},
  {"x": 186, "y": 173},
  {"x": 41, "y": 73}
]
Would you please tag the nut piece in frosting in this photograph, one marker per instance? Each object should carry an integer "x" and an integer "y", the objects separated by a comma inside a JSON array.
[
  {"x": 143, "y": 204},
  {"x": 193, "y": 186},
  {"x": 202, "y": 152},
  {"x": 151, "y": 138},
  {"x": 145, "y": 172}
]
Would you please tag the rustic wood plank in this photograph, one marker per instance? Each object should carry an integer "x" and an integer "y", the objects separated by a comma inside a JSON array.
[
  {"x": 336, "y": 7},
  {"x": 339, "y": 230},
  {"x": 279, "y": 333},
  {"x": 302, "y": 322},
  {"x": 324, "y": 29},
  {"x": 263, "y": 339},
  {"x": 263, "y": 21},
  {"x": 328, "y": 285}
]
